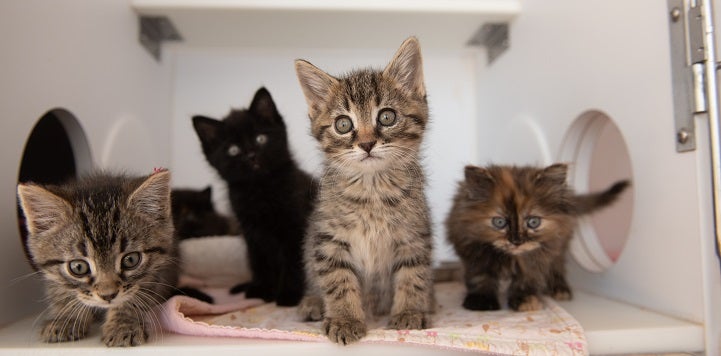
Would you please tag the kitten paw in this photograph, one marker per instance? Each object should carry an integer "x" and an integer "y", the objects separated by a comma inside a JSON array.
[
  {"x": 124, "y": 335},
  {"x": 481, "y": 302},
  {"x": 408, "y": 320},
  {"x": 529, "y": 303},
  {"x": 311, "y": 308},
  {"x": 344, "y": 331},
  {"x": 562, "y": 292},
  {"x": 63, "y": 330}
]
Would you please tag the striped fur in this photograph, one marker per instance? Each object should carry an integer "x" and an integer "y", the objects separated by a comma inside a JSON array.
[
  {"x": 106, "y": 222},
  {"x": 529, "y": 253},
  {"x": 368, "y": 246}
]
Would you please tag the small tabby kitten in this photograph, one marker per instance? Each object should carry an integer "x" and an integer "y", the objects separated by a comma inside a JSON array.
[
  {"x": 369, "y": 241},
  {"x": 270, "y": 196},
  {"x": 195, "y": 216},
  {"x": 516, "y": 222},
  {"x": 105, "y": 247}
]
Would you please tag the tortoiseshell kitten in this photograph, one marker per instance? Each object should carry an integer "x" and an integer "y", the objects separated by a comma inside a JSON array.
[
  {"x": 368, "y": 246},
  {"x": 515, "y": 223},
  {"x": 195, "y": 216},
  {"x": 105, "y": 247},
  {"x": 270, "y": 195}
]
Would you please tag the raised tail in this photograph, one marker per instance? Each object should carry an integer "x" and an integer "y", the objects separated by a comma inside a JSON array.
[{"x": 588, "y": 203}]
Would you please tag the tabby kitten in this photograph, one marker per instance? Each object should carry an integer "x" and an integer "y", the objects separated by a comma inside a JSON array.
[
  {"x": 105, "y": 247},
  {"x": 270, "y": 196},
  {"x": 194, "y": 215},
  {"x": 515, "y": 223},
  {"x": 368, "y": 247}
]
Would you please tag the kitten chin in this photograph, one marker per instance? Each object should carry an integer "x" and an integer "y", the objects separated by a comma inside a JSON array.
[
  {"x": 515, "y": 223},
  {"x": 105, "y": 246}
]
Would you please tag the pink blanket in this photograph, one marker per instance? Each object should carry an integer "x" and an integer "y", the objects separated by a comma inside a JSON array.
[{"x": 548, "y": 331}]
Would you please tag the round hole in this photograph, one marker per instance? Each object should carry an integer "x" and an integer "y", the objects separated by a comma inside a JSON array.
[
  {"x": 598, "y": 157},
  {"x": 56, "y": 151}
]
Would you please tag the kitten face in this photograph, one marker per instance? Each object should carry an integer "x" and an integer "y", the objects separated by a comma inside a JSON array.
[
  {"x": 518, "y": 210},
  {"x": 247, "y": 143},
  {"x": 105, "y": 241},
  {"x": 368, "y": 120}
]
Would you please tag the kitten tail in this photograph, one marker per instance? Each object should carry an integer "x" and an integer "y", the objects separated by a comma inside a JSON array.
[{"x": 588, "y": 203}]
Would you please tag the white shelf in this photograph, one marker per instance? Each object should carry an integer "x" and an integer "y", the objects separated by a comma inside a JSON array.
[
  {"x": 611, "y": 327},
  {"x": 328, "y": 23}
]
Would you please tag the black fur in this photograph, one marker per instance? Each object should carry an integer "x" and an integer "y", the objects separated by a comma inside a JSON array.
[
  {"x": 195, "y": 216},
  {"x": 270, "y": 195}
]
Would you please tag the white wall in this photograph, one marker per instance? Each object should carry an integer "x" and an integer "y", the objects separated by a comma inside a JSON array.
[
  {"x": 81, "y": 55},
  {"x": 211, "y": 81}
]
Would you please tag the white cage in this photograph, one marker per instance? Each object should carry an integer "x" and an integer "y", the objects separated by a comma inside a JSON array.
[{"x": 586, "y": 82}]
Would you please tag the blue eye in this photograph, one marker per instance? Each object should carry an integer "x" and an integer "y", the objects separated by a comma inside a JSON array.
[
  {"x": 533, "y": 222},
  {"x": 131, "y": 260},
  {"x": 343, "y": 125},
  {"x": 499, "y": 222},
  {"x": 78, "y": 268},
  {"x": 233, "y": 150},
  {"x": 387, "y": 117},
  {"x": 261, "y": 139}
]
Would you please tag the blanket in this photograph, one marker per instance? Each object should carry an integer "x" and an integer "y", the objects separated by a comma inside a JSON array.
[{"x": 548, "y": 331}]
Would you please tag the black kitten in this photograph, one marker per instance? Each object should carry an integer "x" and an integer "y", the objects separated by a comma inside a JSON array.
[
  {"x": 270, "y": 195},
  {"x": 195, "y": 216}
]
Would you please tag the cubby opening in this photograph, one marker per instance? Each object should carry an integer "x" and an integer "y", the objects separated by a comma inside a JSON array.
[
  {"x": 599, "y": 157},
  {"x": 56, "y": 151}
]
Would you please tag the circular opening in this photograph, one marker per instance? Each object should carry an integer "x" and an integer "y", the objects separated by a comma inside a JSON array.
[
  {"x": 56, "y": 151},
  {"x": 598, "y": 157}
]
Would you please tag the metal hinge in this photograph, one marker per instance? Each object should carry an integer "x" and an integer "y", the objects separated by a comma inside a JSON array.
[{"x": 688, "y": 56}]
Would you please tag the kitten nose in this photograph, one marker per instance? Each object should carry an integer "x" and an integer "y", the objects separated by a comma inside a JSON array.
[
  {"x": 108, "y": 297},
  {"x": 367, "y": 146}
]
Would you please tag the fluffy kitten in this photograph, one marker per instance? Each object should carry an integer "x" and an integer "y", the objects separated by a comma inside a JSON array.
[
  {"x": 368, "y": 247},
  {"x": 105, "y": 246},
  {"x": 516, "y": 222},
  {"x": 194, "y": 215},
  {"x": 270, "y": 196}
]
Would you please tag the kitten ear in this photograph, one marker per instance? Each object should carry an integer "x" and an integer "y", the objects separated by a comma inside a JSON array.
[
  {"x": 316, "y": 85},
  {"x": 152, "y": 197},
  {"x": 478, "y": 183},
  {"x": 207, "y": 129},
  {"x": 407, "y": 67},
  {"x": 555, "y": 173},
  {"x": 43, "y": 210},
  {"x": 263, "y": 105}
]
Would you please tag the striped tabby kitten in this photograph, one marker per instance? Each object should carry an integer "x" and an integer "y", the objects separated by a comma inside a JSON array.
[
  {"x": 105, "y": 246},
  {"x": 368, "y": 247},
  {"x": 516, "y": 222}
]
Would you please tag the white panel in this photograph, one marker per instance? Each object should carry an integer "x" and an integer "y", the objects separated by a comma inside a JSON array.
[
  {"x": 83, "y": 56},
  {"x": 210, "y": 82},
  {"x": 568, "y": 57}
]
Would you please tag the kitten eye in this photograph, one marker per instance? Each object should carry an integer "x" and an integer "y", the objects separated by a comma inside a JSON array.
[
  {"x": 533, "y": 222},
  {"x": 387, "y": 117},
  {"x": 343, "y": 124},
  {"x": 261, "y": 139},
  {"x": 233, "y": 150},
  {"x": 130, "y": 260},
  {"x": 499, "y": 222},
  {"x": 78, "y": 268}
]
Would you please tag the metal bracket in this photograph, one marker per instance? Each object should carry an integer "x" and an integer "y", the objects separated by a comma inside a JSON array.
[
  {"x": 493, "y": 36},
  {"x": 687, "y": 69},
  {"x": 154, "y": 30}
]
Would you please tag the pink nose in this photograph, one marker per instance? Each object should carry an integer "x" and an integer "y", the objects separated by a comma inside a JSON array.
[{"x": 367, "y": 146}]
